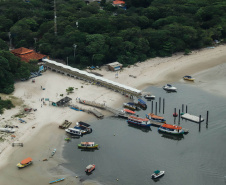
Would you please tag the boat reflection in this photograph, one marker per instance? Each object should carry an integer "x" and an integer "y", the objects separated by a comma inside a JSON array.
[
  {"x": 89, "y": 149},
  {"x": 171, "y": 136},
  {"x": 143, "y": 129}
]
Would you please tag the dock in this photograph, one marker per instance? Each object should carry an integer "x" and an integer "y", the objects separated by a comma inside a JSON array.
[
  {"x": 92, "y": 103},
  {"x": 191, "y": 117},
  {"x": 17, "y": 144},
  {"x": 96, "y": 113},
  {"x": 65, "y": 124}
]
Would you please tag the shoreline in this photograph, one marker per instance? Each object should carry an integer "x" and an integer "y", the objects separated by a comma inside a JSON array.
[{"x": 155, "y": 71}]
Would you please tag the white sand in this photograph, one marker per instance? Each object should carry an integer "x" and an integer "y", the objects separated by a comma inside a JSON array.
[{"x": 40, "y": 140}]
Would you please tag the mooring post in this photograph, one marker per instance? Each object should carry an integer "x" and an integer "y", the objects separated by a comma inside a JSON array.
[
  {"x": 207, "y": 117},
  {"x": 159, "y": 104},
  {"x": 199, "y": 123},
  {"x": 156, "y": 104},
  {"x": 174, "y": 115},
  {"x": 152, "y": 107},
  {"x": 179, "y": 117},
  {"x": 182, "y": 107},
  {"x": 186, "y": 109},
  {"x": 163, "y": 105}
]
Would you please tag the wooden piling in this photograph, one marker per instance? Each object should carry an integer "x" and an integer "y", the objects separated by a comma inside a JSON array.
[
  {"x": 207, "y": 117},
  {"x": 159, "y": 104},
  {"x": 186, "y": 109},
  {"x": 156, "y": 104},
  {"x": 199, "y": 123},
  {"x": 179, "y": 117},
  {"x": 182, "y": 107},
  {"x": 163, "y": 107},
  {"x": 152, "y": 107}
]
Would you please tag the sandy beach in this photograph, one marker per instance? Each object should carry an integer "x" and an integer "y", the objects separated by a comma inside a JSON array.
[{"x": 40, "y": 134}]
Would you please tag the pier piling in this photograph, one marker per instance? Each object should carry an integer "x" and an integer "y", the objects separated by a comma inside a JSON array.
[
  {"x": 156, "y": 104},
  {"x": 186, "y": 109},
  {"x": 159, "y": 104},
  {"x": 199, "y": 123},
  {"x": 152, "y": 107},
  {"x": 163, "y": 107},
  {"x": 182, "y": 107},
  {"x": 179, "y": 118},
  {"x": 207, "y": 118}
]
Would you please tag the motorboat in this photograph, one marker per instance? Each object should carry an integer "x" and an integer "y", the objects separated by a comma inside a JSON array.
[
  {"x": 129, "y": 106},
  {"x": 142, "y": 103},
  {"x": 58, "y": 180},
  {"x": 143, "y": 122},
  {"x": 83, "y": 127},
  {"x": 128, "y": 111},
  {"x": 88, "y": 145},
  {"x": 90, "y": 168},
  {"x": 157, "y": 174},
  {"x": 171, "y": 129},
  {"x": 149, "y": 97},
  {"x": 74, "y": 131},
  {"x": 8, "y": 130},
  {"x": 169, "y": 87},
  {"x": 24, "y": 163},
  {"x": 189, "y": 78},
  {"x": 156, "y": 118}
]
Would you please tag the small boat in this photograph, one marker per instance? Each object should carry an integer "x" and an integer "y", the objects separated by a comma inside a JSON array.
[
  {"x": 169, "y": 87},
  {"x": 156, "y": 118},
  {"x": 157, "y": 174},
  {"x": 53, "y": 152},
  {"x": 73, "y": 131},
  {"x": 88, "y": 145},
  {"x": 83, "y": 127},
  {"x": 142, "y": 103},
  {"x": 58, "y": 180},
  {"x": 8, "y": 130},
  {"x": 90, "y": 168},
  {"x": 149, "y": 97},
  {"x": 67, "y": 139},
  {"x": 189, "y": 78},
  {"x": 143, "y": 122},
  {"x": 131, "y": 107},
  {"x": 171, "y": 129},
  {"x": 128, "y": 111},
  {"x": 25, "y": 163}
]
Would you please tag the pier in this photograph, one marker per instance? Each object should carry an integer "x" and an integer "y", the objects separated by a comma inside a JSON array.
[
  {"x": 65, "y": 124},
  {"x": 192, "y": 118},
  {"x": 17, "y": 144}
]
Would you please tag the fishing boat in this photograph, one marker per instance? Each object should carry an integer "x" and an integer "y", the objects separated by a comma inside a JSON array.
[
  {"x": 8, "y": 130},
  {"x": 169, "y": 87},
  {"x": 143, "y": 122},
  {"x": 90, "y": 168},
  {"x": 156, "y": 118},
  {"x": 87, "y": 145},
  {"x": 171, "y": 129},
  {"x": 142, "y": 103},
  {"x": 149, "y": 97},
  {"x": 73, "y": 131},
  {"x": 157, "y": 174},
  {"x": 58, "y": 180},
  {"x": 189, "y": 78},
  {"x": 129, "y": 106},
  {"x": 25, "y": 162},
  {"x": 83, "y": 127},
  {"x": 128, "y": 111}
]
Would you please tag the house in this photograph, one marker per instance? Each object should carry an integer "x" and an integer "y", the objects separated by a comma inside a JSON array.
[
  {"x": 27, "y": 54},
  {"x": 119, "y": 3},
  {"x": 115, "y": 66}
]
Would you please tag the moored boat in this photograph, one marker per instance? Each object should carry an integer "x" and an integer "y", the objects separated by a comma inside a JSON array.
[
  {"x": 58, "y": 180},
  {"x": 169, "y": 87},
  {"x": 142, "y": 103},
  {"x": 171, "y": 129},
  {"x": 143, "y": 122},
  {"x": 90, "y": 168},
  {"x": 8, "y": 130},
  {"x": 83, "y": 127},
  {"x": 157, "y": 174},
  {"x": 131, "y": 107},
  {"x": 189, "y": 78},
  {"x": 156, "y": 118},
  {"x": 25, "y": 162},
  {"x": 88, "y": 145},
  {"x": 73, "y": 131},
  {"x": 128, "y": 111},
  {"x": 149, "y": 97}
]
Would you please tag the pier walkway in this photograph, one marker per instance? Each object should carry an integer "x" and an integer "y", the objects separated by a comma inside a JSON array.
[{"x": 192, "y": 118}]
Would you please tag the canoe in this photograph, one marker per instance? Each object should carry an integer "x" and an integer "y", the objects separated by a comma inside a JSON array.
[{"x": 58, "y": 180}]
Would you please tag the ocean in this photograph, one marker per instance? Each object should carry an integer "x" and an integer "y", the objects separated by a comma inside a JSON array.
[{"x": 129, "y": 155}]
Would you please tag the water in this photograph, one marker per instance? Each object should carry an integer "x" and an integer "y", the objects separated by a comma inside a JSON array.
[{"x": 131, "y": 154}]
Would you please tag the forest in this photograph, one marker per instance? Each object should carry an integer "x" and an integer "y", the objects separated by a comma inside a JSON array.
[{"x": 97, "y": 33}]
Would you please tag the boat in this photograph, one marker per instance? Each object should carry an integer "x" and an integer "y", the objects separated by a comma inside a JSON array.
[
  {"x": 53, "y": 152},
  {"x": 90, "y": 168},
  {"x": 142, "y": 103},
  {"x": 169, "y": 87},
  {"x": 8, "y": 130},
  {"x": 87, "y": 145},
  {"x": 143, "y": 122},
  {"x": 25, "y": 162},
  {"x": 83, "y": 127},
  {"x": 149, "y": 97},
  {"x": 157, "y": 174},
  {"x": 67, "y": 139},
  {"x": 171, "y": 129},
  {"x": 156, "y": 118},
  {"x": 58, "y": 180},
  {"x": 189, "y": 78},
  {"x": 128, "y": 111},
  {"x": 74, "y": 131},
  {"x": 129, "y": 106}
]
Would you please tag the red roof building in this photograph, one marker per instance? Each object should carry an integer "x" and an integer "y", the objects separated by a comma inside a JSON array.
[
  {"x": 118, "y": 2},
  {"x": 27, "y": 54}
]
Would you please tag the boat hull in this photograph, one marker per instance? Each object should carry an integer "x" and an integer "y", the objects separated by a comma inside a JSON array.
[
  {"x": 139, "y": 124},
  {"x": 19, "y": 165},
  {"x": 88, "y": 147},
  {"x": 155, "y": 176},
  {"x": 174, "y": 132}
]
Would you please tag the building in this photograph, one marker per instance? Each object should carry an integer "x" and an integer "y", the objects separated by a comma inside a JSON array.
[
  {"x": 114, "y": 66},
  {"x": 27, "y": 54},
  {"x": 119, "y": 3}
]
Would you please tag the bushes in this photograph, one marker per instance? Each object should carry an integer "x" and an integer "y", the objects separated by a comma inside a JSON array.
[{"x": 7, "y": 104}]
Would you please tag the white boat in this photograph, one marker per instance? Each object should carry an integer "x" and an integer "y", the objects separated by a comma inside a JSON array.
[
  {"x": 171, "y": 129},
  {"x": 149, "y": 97},
  {"x": 169, "y": 87},
  {"x": 157, "y": 174},
  {"x": 74, "y": 131},
  {"x": 9, "y": 130}
]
